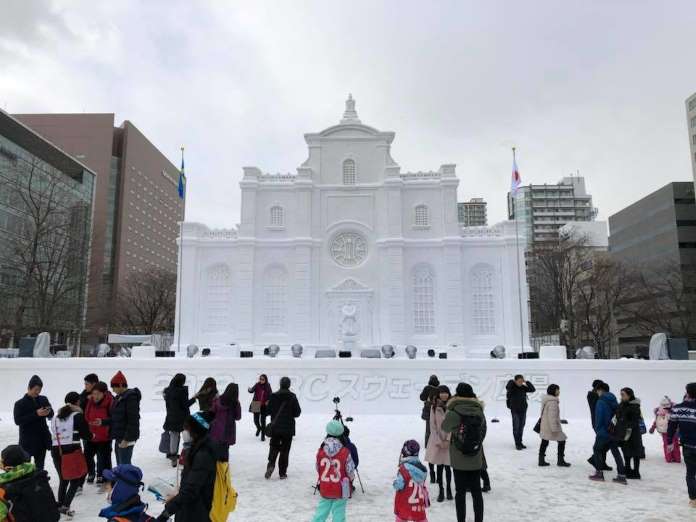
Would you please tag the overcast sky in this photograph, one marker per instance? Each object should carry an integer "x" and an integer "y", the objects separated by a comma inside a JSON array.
[{"x": 591, "y": 85}]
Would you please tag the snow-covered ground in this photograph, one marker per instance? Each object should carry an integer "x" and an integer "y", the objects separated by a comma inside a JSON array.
[{"x": 521, "y": 490}]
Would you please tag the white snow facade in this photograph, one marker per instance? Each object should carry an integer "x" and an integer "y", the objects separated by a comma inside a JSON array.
[{"x": 350, "y": 252}]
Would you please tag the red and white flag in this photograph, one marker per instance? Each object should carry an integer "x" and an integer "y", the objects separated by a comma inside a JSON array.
[{"x": 516, "y": 178}]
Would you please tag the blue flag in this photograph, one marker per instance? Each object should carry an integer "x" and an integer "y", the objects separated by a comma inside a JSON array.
[{"x": 182, "y": 180}]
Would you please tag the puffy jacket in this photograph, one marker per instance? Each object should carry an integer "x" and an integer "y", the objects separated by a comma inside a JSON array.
[
  {"x": 177, "y": 403},
  {"x": 604, "y": 412},
  {"x": 224, "y": 426},
  {"x": 418, "y": 472},
  {"x": 125, "y": 416},
  {"x": 29, "y": 493},
  {"x": 195, "y": 497},
  {"x": 683, "y": 419},
  {"x": 34, "y": 435},
  {"x": 283, "y": 418},
  {"x": 456, "y": 408},
  {"x": 99, "y": 411},
  {"x": 628, "y": 416}
]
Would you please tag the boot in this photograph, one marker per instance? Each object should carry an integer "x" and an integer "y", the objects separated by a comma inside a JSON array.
[
  {"x": 269, "y": 471},
  {"x": 620, "y": 479},
  {"x": 441, "y": 494},
  {"x": 433, "y": 480},
  {"x": 449, "y": 492},
  {"x": 542, "y": 454},
  {"x": 597, "y": 477},
  {"x": 561, "y": 455}
]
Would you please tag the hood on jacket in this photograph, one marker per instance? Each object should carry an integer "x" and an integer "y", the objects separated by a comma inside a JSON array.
[
  {"x": 635, "y": 401},
  {"x": 610, "y": 399},
  {"x": 332, "y": 446},
  {"x": 129, "y": 393},
  {"x": 22, "y": 470},
  {"x": 548, "y": 398},
  {"x": 456, "y": 403},
  {"x": 418, "y": 472}
]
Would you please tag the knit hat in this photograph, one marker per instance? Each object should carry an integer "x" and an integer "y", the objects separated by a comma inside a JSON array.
[
  {"x": 127, "y": 481},
  {"x": 119, "y": 378},
  {"x": 35, "y": 381},
  {"x": 666, "y": 402},
  {"x": 465, "y": 390},
  {"x": 411, "y": 449},
  {"x": 334, "y": 428},
  {"x": 12, "y": 456}
]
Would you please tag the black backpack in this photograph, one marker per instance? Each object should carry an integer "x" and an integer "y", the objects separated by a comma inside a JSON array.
[
  {"x": 31, "y": 499},
  {"x": 468, "y": 436}
]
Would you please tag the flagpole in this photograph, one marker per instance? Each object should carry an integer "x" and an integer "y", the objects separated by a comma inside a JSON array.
[
  {"x": 181, "y": 259},
  {"x": 517, "y": 255}
]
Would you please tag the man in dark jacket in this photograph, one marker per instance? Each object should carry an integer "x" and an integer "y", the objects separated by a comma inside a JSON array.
[
  {"x": 125, "y": 418},
  {"x": 284, "y": 408},
  {"x": 683, "y": 420},
  {"x": 517, "y": 390},
  {"x": 90, "y": 380},
  {"x": 604, "y": 441},
  {"x": 30, "y": 414}
]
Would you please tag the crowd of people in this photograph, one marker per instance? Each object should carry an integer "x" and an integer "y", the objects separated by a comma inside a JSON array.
[{"x": 96, "y": 428}]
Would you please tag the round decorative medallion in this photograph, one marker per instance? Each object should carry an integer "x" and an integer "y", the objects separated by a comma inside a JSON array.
[{"x": 348, "y": 249}]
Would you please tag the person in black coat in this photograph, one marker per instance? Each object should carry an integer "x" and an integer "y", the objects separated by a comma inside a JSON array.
[
  {"x": 195, "y": 497},
  {"x": 428, "y": 396},
  {"x": 283, "y": 408},
  {"x": 124, "y": 424},
  {"x": 91, "y": 380},
  {"x": 592, "y": 398},
  {"x": 177, "y": 402},
  {"x": 628, "y": 417},
  {"x": 517, "y": 390},
  {"x": 30, "y": 414}
]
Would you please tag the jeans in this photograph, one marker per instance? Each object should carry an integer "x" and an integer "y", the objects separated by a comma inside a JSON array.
[
  {"x": 66, "y": 488},
  {"x": 468, "y": 481},
  {"x": 600, "y": 449},
  {"x": 123, "y": 455},
  {"x": 280, "y": 449},
  {"x": 334, "y": 507},
  {"x": 101, "y": 451},
  {"x": 519, "y": 419},
  {"x": 690, "y": 461}
]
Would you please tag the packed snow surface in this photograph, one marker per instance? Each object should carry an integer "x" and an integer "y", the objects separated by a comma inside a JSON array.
[{"x": 521, "y": 490}]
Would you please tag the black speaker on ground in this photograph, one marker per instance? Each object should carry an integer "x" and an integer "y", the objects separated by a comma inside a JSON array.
[
  {"x": 325, "y": 354},
  {"x": 442, "y": 355},
  {"x": 246, "y": 354},
  {"x": 345, "y": 354},
  {"x": 528, "y": 355},
  {"x": 164, "y": 353},
  {"x": 205, "y": 352}
]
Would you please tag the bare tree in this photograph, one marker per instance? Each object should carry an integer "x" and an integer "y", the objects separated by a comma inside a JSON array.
[{"x": 147, "y": 302}]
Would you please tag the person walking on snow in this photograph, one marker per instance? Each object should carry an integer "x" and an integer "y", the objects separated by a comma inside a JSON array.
[
  {"x": 437, "y": 450},
  {"x": 682, "y": 421},
  {"x": 262, "y": 392},
  {"x": 177, "y": 404},
  {"x": 336, "y": 471},
  {"x": 411, "y": 499},
  {"x": 31, "y": 413},
  {"x": 517, "y": 390},
  {"x": 629, "y": 419},
  {"x": 550, "y": 427},
  {"x": 284, "y": 408},
  {"x": 661, "y": 424},
  {"x": 223, "y": 429},
  {"x": 125, "y": 418},
  {"x": 604, "y": 436}
]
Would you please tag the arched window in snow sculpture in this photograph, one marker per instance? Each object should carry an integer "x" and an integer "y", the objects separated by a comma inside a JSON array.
[
  {"x": 277, "y": 216},
  {"x": 483, "y": 300},
  {"x": 423, "y": 300},
  {"x": 218, "y": 293},
  {"x": 422, "y": 217},
  {"x": 275, "y": 300},
  {"x": 349, "y": 172}
]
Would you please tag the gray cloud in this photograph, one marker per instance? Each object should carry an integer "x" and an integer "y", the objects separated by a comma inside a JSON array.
[{"x": 578, "y": 85}]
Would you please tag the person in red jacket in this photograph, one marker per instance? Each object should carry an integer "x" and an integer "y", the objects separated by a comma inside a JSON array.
[
  {"x": 97, "y": 415},
  {"x": 336, "y": 470},
  {"x": 411, "y": 499}
]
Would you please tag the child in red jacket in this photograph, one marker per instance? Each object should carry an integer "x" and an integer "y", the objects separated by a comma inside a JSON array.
[{"x": 98, "y": 418}]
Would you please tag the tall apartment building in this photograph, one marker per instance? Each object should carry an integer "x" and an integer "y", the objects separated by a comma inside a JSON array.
[
  {"x": 656, "y": 231},
  {"x": 45, "y": 221},
  {"x": 473, "y": 213},
  {"x": 543, "y": 209},
  {"x": 136, "y": 205},
  {"x": 691, "y": 125}
]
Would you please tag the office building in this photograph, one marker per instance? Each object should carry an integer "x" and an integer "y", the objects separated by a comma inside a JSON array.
[
  {"x": 45, "y": 219},
  {"x": 691, "y": 125},
  {"x": 473, "y": 213},
  {"x": 136, "y": 206}
]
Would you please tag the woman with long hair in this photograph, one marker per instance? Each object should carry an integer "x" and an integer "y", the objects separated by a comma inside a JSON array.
[
  {"x": 207, "y": 394},
  {"x": 177, "y": 402},
  {"x": 68, "y": 427},
  {"x": 437, "y": 450},
  {"x": 227, "y": 410},
  {"x": 262, "y": 392},
  {"x": 628, "y": 417}
]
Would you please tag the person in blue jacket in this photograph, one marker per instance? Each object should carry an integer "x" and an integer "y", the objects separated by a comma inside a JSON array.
[{"x": 605, "y": 436}]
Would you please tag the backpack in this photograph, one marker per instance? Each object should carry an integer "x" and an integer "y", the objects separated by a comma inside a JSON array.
[
  {"x": 30, "y": 499},
  {"x": 468, "y": 437},
  {"x": 224, "y": 495}
]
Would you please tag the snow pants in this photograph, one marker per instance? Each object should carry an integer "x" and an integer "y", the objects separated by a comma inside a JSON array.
[
  {"x": 336, "y": 508},
  {"x": 675, "y": 454}
]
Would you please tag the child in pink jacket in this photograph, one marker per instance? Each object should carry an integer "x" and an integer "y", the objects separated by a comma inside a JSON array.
[{"x": 662, "y": 414}]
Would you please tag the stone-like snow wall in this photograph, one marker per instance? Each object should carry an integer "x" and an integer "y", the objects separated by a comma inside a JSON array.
[{"x": 365, "y": 386}]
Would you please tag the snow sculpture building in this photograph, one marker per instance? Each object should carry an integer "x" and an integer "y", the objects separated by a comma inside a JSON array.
[{"x": 350, "y": 251}]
